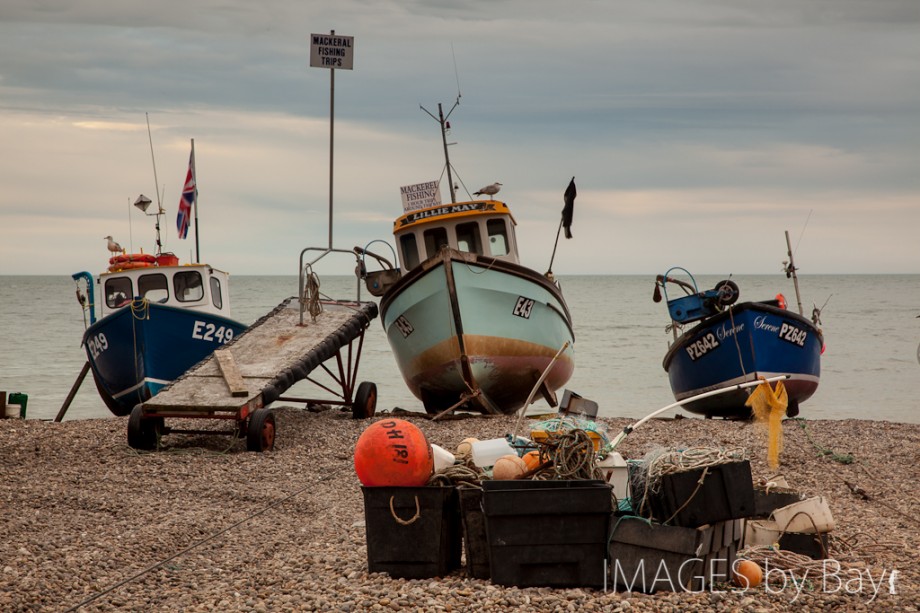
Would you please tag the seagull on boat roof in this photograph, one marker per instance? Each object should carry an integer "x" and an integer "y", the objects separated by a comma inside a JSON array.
[
  {"x": 489, "y": 190},
  {"x": 113, "y": 246}
]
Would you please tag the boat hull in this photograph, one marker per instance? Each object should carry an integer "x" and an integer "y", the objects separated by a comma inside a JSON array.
[
  {"x": 748, "y": 341},
  {"x": 138, "y": 349},
  {"x": 466, "y": 327}
]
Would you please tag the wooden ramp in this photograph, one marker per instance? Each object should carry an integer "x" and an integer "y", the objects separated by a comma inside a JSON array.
[{"x": 273, "y": 354}]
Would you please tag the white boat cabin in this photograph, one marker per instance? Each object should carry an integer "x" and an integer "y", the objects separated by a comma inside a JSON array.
[
  {"x": 481, "y": 227},
  {"x": 191, "y": 286}
]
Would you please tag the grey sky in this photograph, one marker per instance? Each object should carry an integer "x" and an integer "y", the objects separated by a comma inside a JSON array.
[{"x": 697, "y": 130}]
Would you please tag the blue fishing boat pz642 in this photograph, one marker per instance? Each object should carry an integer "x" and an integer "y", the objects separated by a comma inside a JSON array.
[{"x": 735, "y": 342}]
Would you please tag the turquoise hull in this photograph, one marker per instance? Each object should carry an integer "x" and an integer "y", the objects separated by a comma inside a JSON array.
[{"x": 474, "y": 330}]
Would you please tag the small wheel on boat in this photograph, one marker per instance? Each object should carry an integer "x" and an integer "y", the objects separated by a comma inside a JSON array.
[
  {"x": 365, "y": 404},
  {"x": 792, "y": 409},
  {"x": 143, "y": 432},
  {"x": 728, "y": 292},
  {"x": 260, "y": 435}
]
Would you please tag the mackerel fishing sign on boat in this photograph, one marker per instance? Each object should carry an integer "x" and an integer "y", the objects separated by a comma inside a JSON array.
[
  {"x": 468, "y": 324},
  {"x": 735, "y": 342},
  {"x": 151, "y": 318}
]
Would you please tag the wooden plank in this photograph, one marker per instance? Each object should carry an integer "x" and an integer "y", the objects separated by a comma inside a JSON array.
[{"x": 231, "y": 373}]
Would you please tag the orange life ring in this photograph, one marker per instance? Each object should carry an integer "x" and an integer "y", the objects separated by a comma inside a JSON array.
[
  {"x": 129, "y": 266},
  {"x": 132, "y": 257},
  {"x": 781, "y": 301}
]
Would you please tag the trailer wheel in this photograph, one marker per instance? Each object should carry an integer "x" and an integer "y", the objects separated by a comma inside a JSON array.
[
  {"x": 143, "y": 431},
  {"x": 260, "y": 435},
  {"x": 365, "y": 404}
]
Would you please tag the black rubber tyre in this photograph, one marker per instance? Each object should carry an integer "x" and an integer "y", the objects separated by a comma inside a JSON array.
[
  {"x": 142, "y": 431},
  {"x": 365, "y": 404},
  {"x": 260, "y": 435},
  {"x": 792, "y": 409},
  {"x": 728, "y": 292}
]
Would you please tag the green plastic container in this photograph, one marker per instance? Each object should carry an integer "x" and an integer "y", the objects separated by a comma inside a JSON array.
[{"x": 21, "y": 399}]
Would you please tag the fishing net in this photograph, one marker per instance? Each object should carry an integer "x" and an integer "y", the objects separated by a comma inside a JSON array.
[{"x": 769, "y": 407}]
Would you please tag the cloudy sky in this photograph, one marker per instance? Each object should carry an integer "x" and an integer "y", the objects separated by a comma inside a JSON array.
[{"x": 697, "y": 130}]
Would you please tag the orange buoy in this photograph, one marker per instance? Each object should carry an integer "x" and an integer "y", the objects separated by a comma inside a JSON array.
[
  {"x": 393, "y": 452},
  {"x": 508, "y": 467},
  {"x": 781, "y": 301},
  {"x": 531, "y": 459},
  {"x": 746, "y": 574}
]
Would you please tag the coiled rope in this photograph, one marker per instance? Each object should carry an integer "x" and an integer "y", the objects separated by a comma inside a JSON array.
[{"x": 311, "y": 296}]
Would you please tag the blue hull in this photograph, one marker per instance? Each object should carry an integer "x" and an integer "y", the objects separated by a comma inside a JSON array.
[
  {"x": 747, "y": 341},
  {"x": 134, "y": 352}
]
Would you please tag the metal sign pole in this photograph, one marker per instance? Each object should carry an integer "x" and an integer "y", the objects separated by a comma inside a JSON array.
[
  {"x": 331, "y": 51},
  {"x": 331, "y": 140}
]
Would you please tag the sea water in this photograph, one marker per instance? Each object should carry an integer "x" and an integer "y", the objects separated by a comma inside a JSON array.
[{"x": 869, "y": 370}]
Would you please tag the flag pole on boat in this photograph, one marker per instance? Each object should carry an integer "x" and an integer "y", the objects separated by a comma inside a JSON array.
[
  {"x": 331, "y": 51},
  {"x": 568, "y": 199}
]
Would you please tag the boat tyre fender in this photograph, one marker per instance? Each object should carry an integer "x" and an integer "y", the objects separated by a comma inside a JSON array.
[{"x": 728, "y": 292}]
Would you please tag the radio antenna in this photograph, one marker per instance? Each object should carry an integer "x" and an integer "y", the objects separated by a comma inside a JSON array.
[{"x": 456, "y": 72}]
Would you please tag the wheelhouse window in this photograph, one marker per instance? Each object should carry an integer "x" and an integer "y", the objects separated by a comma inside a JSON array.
[
  {"x": 435, "y": 238},
  {"x": 498, "y": 237},
  {"x": 468, "y": 238},
  {"x": 187, "y": 286},
  {"x": 409, "y": 248},
  {"x": 216, "y": 296},
  {"x": 118, "y": 292},
  {"x": 153, "y": 287}
]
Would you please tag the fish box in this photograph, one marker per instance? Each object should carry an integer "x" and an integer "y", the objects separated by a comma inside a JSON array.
[
  {"x": 547, "y": 533},
  {"x": 412, "y": 532},
  {"x": 766, "y": 533},
  {"x": 805, "y": 516},
  {"x": 648, "y": 557},
  {"x": 698, "y": 497}
]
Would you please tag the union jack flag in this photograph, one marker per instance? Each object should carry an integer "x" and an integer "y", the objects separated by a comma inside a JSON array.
[{"x": 189, "y": 196}]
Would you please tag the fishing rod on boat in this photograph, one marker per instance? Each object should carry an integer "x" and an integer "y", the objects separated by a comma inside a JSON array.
[
  {"x": 628, "y": 429},
  {"x": 790, "y": 272}
]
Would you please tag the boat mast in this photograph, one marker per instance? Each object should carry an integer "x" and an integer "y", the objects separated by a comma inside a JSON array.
[
  {"x": 790, "y": 272},
  {"x": 442, "y": 121},
  {"x": 156, "y": 181}
]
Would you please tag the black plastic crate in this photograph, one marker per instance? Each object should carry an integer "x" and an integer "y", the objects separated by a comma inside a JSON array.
[
  {"x": 412, "y": 532},
  {"x": 648, "y": 557},
  {"x": 698, "y": 497},
  {"x": 547, "y": 533}
]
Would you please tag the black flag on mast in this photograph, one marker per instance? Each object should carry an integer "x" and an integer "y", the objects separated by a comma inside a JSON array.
[{"x": 569, "y": 198}]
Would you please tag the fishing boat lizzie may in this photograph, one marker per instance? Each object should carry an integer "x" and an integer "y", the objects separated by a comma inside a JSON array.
[{"x": 468, "y": 324}]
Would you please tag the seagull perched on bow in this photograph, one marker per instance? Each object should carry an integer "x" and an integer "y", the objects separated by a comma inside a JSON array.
[
  {"x": 489, "y": 190},
  {"x": 113, "y": 246}
]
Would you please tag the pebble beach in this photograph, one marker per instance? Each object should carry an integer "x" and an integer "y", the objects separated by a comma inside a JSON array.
[{"x": 91, "y": 524}]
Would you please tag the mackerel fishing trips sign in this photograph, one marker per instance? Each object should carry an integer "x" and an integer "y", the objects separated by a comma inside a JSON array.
[
  {"x": 331, "y": 51},
  {"x": 420, "y": 195}
]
